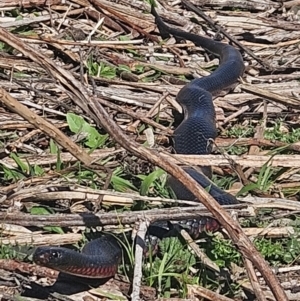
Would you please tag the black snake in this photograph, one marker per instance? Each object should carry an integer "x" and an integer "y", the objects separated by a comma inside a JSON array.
[{"x": 195, "y": 134}]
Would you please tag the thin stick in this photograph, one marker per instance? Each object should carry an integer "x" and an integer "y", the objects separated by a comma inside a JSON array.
[{"x": 139, "y": 248}]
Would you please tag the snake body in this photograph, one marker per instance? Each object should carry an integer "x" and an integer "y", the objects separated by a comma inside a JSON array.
[
  {"x": 195, "y": 134},
  {"x": 98, "y": 259},
  {"x": 197, "y": 131}
]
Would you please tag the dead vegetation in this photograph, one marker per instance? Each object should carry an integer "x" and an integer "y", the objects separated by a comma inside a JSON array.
[{"x": 55, "y": 56}]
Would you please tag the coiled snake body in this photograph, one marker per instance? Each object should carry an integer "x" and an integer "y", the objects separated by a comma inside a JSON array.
[{"x": 195, "y": 134}]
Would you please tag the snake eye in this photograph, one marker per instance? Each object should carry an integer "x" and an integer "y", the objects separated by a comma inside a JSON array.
[{"x": 55, "y": 254}]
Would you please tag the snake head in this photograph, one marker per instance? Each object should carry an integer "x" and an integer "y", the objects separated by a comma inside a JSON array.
[{"x": 51, "y": 256}]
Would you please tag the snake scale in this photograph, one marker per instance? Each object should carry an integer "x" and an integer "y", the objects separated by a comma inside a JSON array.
[{"x": 100, "y": 257}]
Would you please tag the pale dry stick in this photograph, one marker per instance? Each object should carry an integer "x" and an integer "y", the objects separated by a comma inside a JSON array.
[
  {"x": 103, "y": 219},
  {"x": 39, "y": 19},
  {"x": 27, "y": 3},
  {"x": 243, "y": 160},
  {"x": 30, "y": 148},
  {"x": 285, "y": 204},
  {"x": 77, "y": 192},
  {"x": 64, "y": 16},
  {"x": 121, "y": 45},
  {"x": 89, "y": 37},
  {"x": 128, "y": 101},
  {"x": 261, "y": 142},
  {"x": 268, "y": 46},
  {"x": 206, "y": 294},
  {"x": 102, "y": 118},
  {"x": 138, "y": 260},
  {"x": 285, "y": 100},
  {"x": 289, "y": 4},
  {"x": 145, "y": 74},
  {"x": 105, "y": 44},
  {"x": 175, "y": 70},
  {"x": 289, "y": 62},
  {"x": 151, "y": 112},
  {"x": 289, "y": 185},
  {"x": 294, "y": 268},
  {"x": 128, "y": 218},
  {"x": 273, "y": 232},
  {"x": 46, "y": 159},
  {"x": 135, "y": 115},
  {"x": 46, "y": 127},
  {"x": 286, "y": 175},
  {"x": 100, "y": 4},
  {"x": 22, "y": 139},
  {"x": 235, "y": 114},
  {"x": 150, "y": 138},
  {"x": 42, "y": 108},
  {"x": 278, "y": 77},
  {"x": 13, "y": 230},
  {"x": 148, "y": 86},
  {"x": 201, "y": 255},
  {"x": 28, "y": 21},
  {"x": 175, "y": 104},
  {"x": 42, "y": 239}
]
